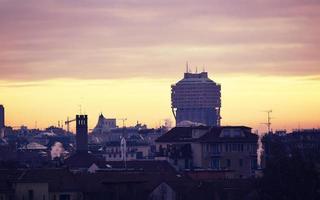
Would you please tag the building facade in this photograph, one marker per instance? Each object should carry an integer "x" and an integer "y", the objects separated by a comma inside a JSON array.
[
  {"x": 134, "y": 151},
  {"x": 196, "y": 98},
  {"x": 226, "y": 148}
]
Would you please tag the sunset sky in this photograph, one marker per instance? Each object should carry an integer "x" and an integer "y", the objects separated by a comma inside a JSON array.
[{"x": 120, "y": 58}]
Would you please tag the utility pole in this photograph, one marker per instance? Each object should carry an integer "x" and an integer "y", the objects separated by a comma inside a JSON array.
[
  {"x": 123, "y": 121},
  {"x": 123, "y": 125}
]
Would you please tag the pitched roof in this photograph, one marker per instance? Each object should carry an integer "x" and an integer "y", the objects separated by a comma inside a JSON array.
[
  {"x": 214, "y": 135},
  {"x": 6, "y": 176},
  {"x": 82, "y": 160},
  {"x": 58, "y": 179},
  {"x": 184, "y": 134},
  {"x": 142, "y": 165},
  {"x": 143, "y": 182},
  {"x": 180, "y": 134}
]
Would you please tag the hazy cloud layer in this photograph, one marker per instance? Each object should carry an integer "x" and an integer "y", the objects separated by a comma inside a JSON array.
[{"x": 117, "y": 39}]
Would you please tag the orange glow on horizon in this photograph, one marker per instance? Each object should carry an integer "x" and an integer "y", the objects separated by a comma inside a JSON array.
[{"x": 295, "y": 101}]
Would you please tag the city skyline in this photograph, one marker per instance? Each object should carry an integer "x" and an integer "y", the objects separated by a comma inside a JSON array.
[
  {"x": 111, "y": 56},
  {"x": 118, "y": 105}
]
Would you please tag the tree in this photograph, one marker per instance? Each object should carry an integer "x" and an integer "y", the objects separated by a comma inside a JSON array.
[{"x": 290, "y": 174}]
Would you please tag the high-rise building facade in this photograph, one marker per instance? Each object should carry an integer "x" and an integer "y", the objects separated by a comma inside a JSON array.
[
  {"x": 82, "y": 133},
  {"x": 196, "y": 98},
  {"x": 2, "y": 123}
]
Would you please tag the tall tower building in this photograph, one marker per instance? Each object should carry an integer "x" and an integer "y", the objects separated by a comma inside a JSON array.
[
  {"x": 82, "y": 133},
  {"x": 2, "y": 123},
  {"x": 196, "y": 98}
]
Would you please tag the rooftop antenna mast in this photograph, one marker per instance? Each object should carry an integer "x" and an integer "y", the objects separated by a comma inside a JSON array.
[
  {"x": 80, "y": 109},
  {"x": 268, "y": 124},
  {"x": 187, "y": 67}
]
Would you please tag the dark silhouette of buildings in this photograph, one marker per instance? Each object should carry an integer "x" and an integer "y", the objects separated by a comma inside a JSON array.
[
  {"x": 196, "y": 98},
  {"x": 149, "y": 180},
  {"x": 81, "y": 158},
  {"x": 2, "y": 123},
  {"x": 82, "y": 133},
  {"x": 306, "y": 141}
]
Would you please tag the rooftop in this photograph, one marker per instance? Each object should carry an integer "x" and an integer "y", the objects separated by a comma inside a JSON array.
[{"x": 208, "y": 134}]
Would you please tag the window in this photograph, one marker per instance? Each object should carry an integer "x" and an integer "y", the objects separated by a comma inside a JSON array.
[
  {"x": 30, "y": 195},
  {"x": 228, "y": 163},
  {"x": 215, "y": 164},
  {"x": 186, "y": 164},
  {"x": 254, "y": 164},
  {"x": 253, "y": 148},
  {"x": 139, "y": 155},
  {"x": 64, "y": 197},
  {"x": 215, "y": 148},
  {"x": 240, "y": 162},
  {"x": 234, "y": 147}
]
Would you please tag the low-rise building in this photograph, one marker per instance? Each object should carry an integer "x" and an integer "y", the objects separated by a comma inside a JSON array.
[
  {"x": 232, "y": 148},
  {"x": 135, "y": 150},
  {"x": 47, "y": 184}
]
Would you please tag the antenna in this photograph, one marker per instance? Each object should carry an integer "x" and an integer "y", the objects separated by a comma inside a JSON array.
[
  {"x": 268, "y": 124},
  {"x": 196, "y": 70},
  {"x": 80, "y": 109},
  {"x": 187, "y": 67}
]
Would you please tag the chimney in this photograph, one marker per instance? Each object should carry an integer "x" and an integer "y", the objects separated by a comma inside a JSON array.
[{"x": 82, "y": 133}]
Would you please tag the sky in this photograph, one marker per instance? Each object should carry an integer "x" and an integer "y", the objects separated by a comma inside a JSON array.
[{"x": 120, "y": 58}]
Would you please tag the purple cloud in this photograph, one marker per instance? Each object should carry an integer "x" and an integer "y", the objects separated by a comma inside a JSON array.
[{"x": 117, "y": 39}]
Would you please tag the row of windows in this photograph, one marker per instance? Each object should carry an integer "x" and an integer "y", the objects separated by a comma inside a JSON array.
[
  {"x": 231, "y": 147},
  {"x": 82, "y": 122},
  {"x": 229, "y": 164},
  {"x": 117, "y": 149},
  {"x": 119, "y": 155}
]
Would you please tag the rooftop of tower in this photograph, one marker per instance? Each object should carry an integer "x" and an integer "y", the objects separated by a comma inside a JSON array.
[
  {"x": 191, "y": 78},
  {"x": 196, "y": 75}
]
